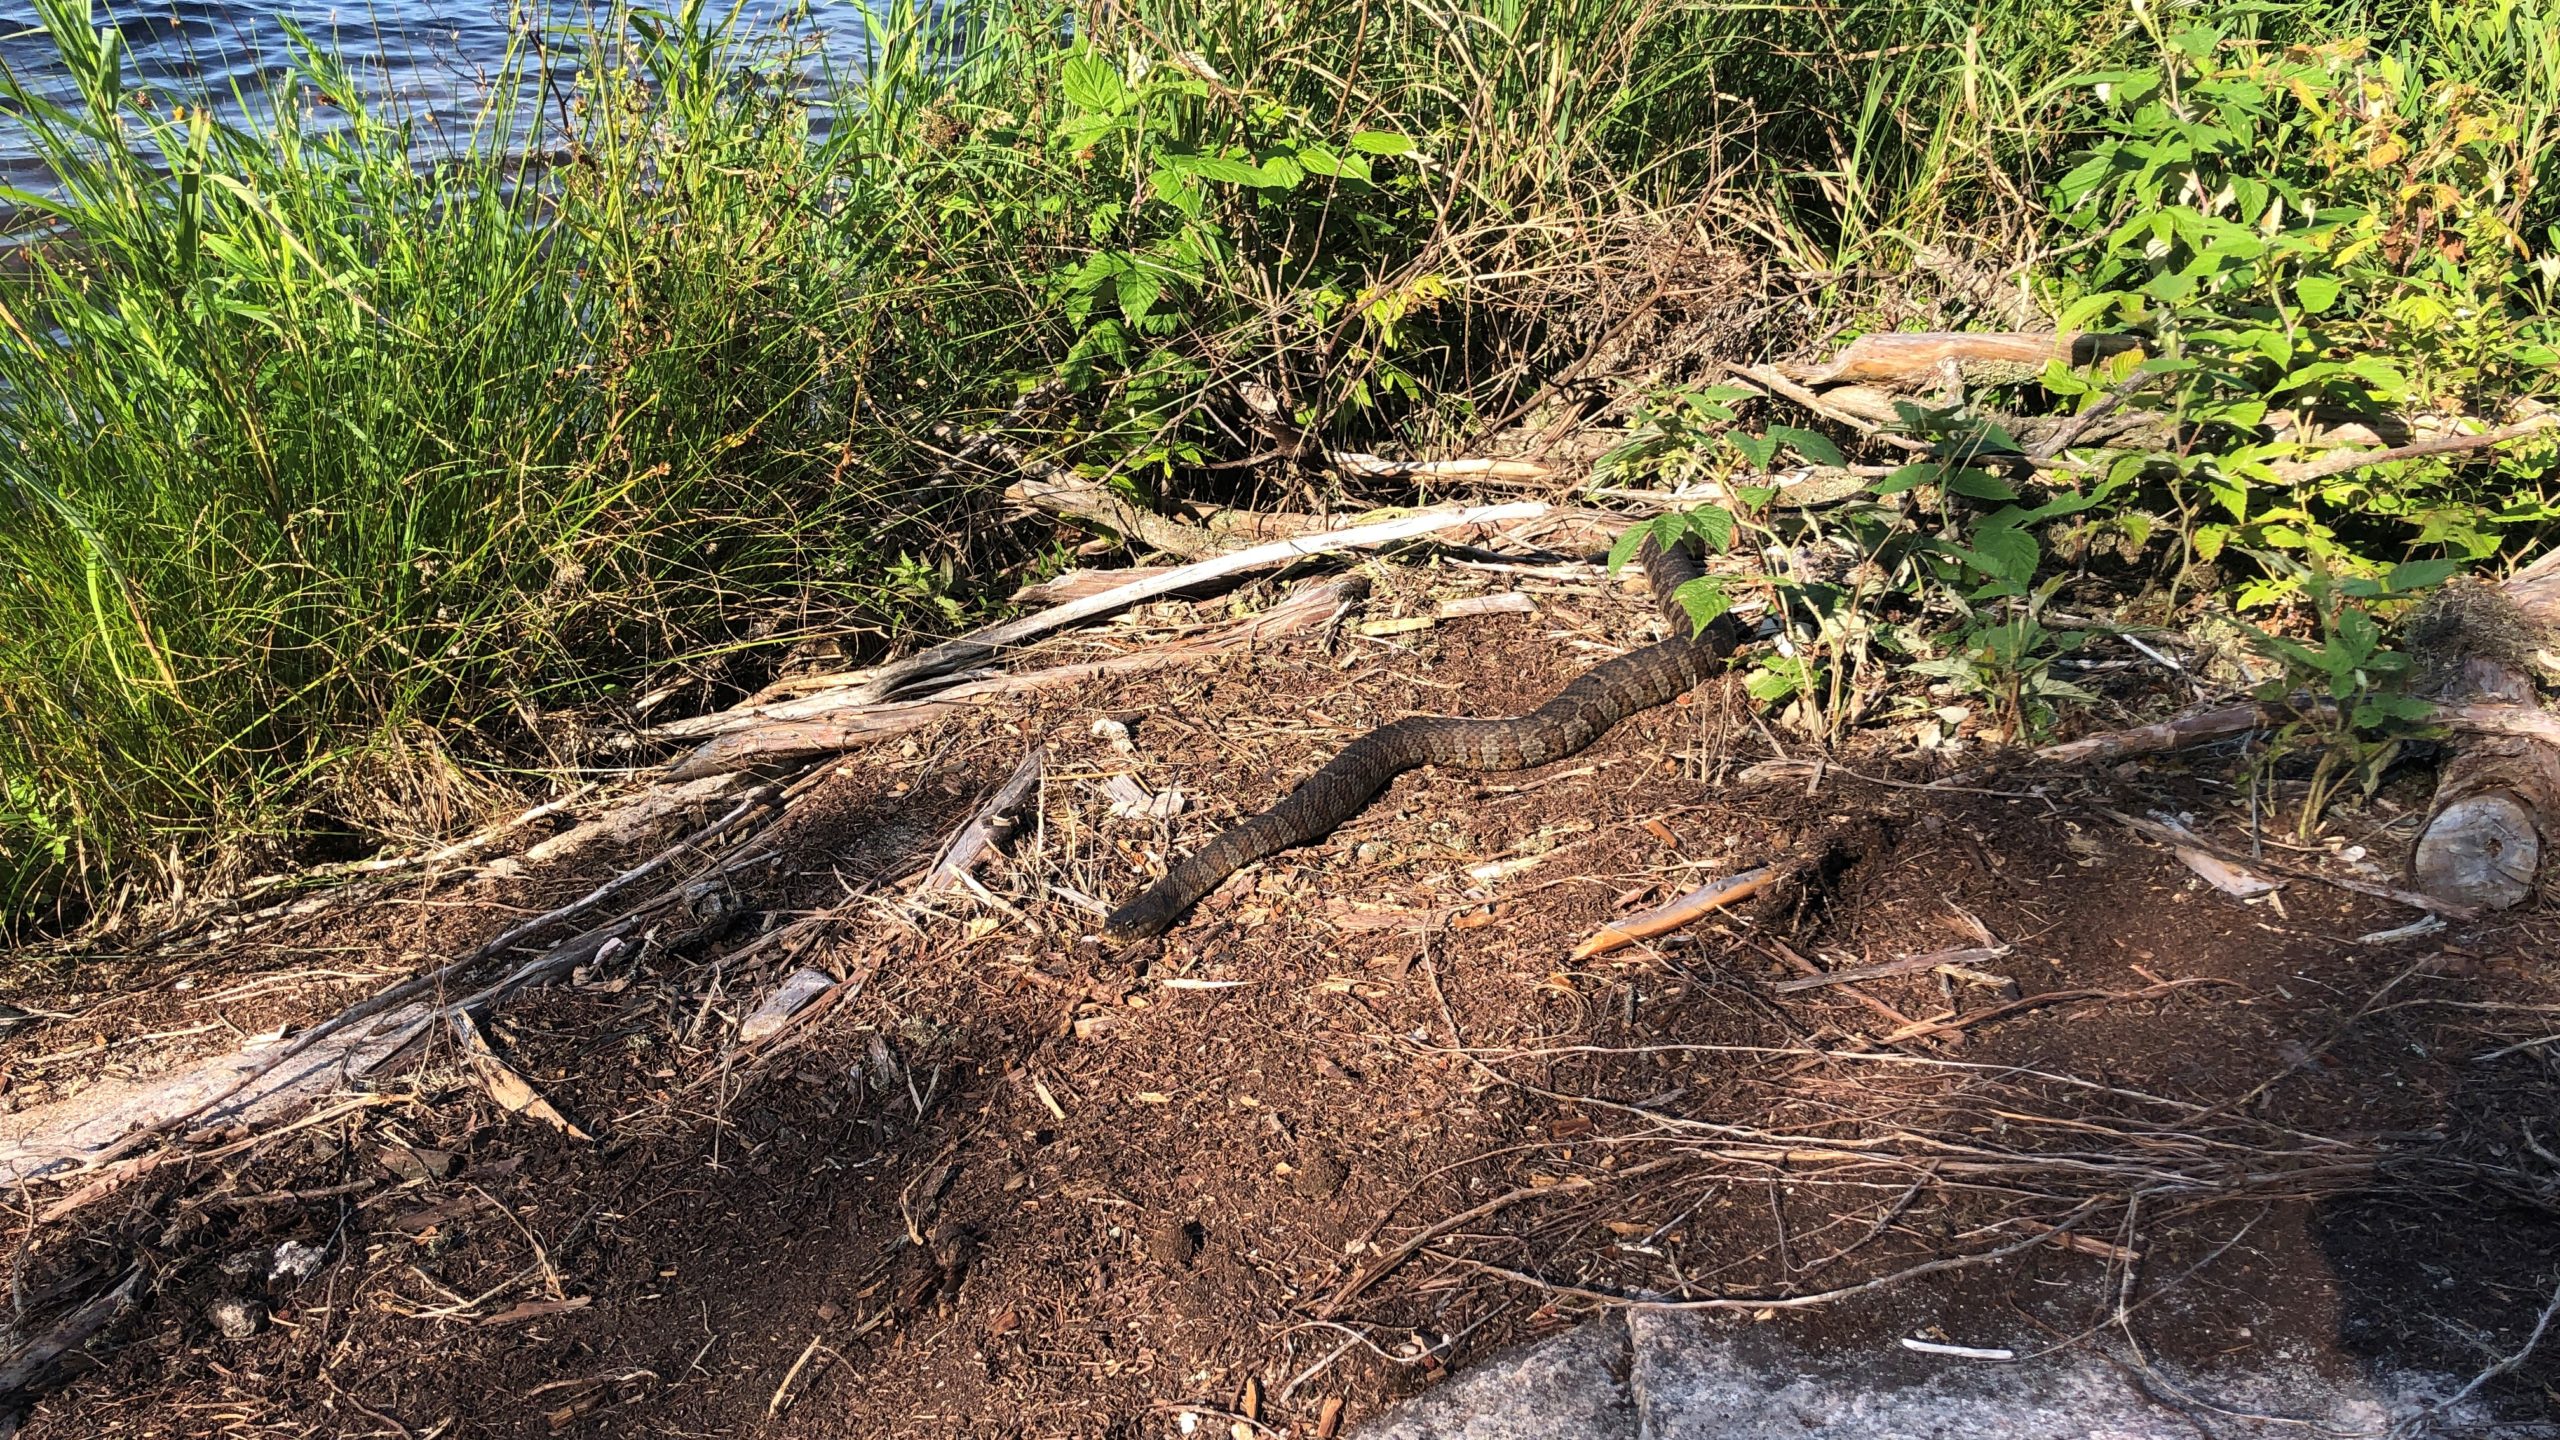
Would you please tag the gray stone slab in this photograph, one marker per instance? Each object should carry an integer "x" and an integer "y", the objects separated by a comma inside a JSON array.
[
  {"x": 1569, "y": 1385},
  {"x": 1653, "y": 1375},
  {"x": 1698, "y": 1379}
]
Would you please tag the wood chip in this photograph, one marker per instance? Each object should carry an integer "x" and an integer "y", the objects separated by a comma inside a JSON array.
[
  {"x": 784, "y": 1004},
  {"x": 537, "y": 1309},
  {"x": 1503, "y": 602},
  {"x": 2229, "y": 879},
  {"x": 1405, "y": 626}
]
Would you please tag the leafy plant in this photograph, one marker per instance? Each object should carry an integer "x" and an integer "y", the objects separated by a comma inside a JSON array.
[
  {"x": 2309, "y": 234},
  {"x": 2362, "y": 714}
]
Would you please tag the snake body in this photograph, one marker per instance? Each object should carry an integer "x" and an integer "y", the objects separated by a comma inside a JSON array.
[{"x": 1578, "y": 715}]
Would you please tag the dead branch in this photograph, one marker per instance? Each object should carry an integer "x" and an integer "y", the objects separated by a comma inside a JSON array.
[
  {"x": 2339, "y": 462},
  {"x": 1921, "y": 355},
  {"x": 988, "y": 825},
  {"x": 846, "y": 725},
  {"x": 35, "y": 1361},
  {"x": 979, "y": 645},
  {"x": 1662, "y": 919}
]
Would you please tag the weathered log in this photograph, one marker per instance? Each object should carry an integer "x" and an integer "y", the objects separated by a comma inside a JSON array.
[
  {"x": 2498, "y": 797},
  {"x": 1884, "y": 358}
]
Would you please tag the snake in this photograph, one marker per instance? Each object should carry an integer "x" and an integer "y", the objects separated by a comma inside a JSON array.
[{"x": 1579, "y": 714}]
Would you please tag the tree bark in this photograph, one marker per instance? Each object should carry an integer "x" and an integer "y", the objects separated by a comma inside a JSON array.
[{"x": 2497, "y": 798}]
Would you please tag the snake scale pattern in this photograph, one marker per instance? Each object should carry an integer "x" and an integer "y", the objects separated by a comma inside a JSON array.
[{"x": 1578, "y": 715}]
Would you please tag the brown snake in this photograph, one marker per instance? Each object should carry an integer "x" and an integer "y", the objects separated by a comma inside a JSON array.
[{"x": 1594, "y": 701}]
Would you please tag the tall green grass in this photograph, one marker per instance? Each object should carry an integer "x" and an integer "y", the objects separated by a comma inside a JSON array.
[{"x": 345, "y": 495}]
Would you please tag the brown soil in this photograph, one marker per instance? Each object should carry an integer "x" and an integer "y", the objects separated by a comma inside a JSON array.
[{"x": 1017, "y": 1186}]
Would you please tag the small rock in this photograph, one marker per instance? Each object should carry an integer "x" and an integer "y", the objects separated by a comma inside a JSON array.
[
  {"x": 245, "y": 1262},
  {"x": 1371, "y": 852},
  {"x": 1116, "y": 735},
  {"x": 293, "y": 1261},
  {"x": 236, "y": 1317}
]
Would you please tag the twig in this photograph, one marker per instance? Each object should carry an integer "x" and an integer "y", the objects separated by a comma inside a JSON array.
[
  {"x": 1777, "y": 1302},
  {"x": 1619, "y": 934},
  {"x": 2180, "y": 835},
  {"x": 2069, "y": 435},
  {"x": 2417, "y": 1424},
  {"x": 782, "y": 1391},
  {"x": 1377, "y": 1269},
  {"x": 1923, "y": 1029},
  {"x": 2339, "y": 462},
  {"x": 1886, "y": 969}
]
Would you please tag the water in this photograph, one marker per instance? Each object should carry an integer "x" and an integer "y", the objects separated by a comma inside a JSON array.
[{"x": 429, "y": 60}]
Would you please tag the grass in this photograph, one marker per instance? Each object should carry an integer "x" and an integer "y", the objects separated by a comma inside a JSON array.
[{"x": 344, "y": 497}]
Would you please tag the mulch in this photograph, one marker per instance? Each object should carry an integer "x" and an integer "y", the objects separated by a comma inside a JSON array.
[{"x": 1357, "y": 1122}]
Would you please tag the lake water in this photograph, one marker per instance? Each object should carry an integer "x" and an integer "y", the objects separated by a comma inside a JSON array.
[{"x": 430, "y": 59}]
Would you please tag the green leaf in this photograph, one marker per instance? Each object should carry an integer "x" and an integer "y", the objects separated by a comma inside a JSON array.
[
  {"x": 1776, "y": 678},
  {"x": 1813, "y": 446},
  {"x": 2421, "y": 574},
  {"x": 1979, "y": 485},
  {"x": 1706, "y": 600},
  {"x": 1909, "y": 477},
  {"x": 1382, "y": 142},
  {"x": 2009, "y": 554},
  {"x": 2316, "y": 293},
  {"x": 1219, "y": 168},
  {"x": 1663, "y": 528},
  {"x": 1092, "y": 84},
  {"x": 1758, "y": 449},
  {"x": 1712, "y": 524}
]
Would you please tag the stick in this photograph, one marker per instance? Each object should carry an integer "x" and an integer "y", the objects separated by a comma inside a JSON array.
[
  {"x": 1662, "y": 919},
  {"x": 1907, "y": 965},
  {"x": 1810, "y": 970},
  {"x": 972, "y": 838},
  {"x": 1900, "y": 356},
  {"x": 786, "y": 739},
  {"x": 2179, "y": 835},
  {"x": 1922, "y": 1029},
  {"x": 2339, "y": 462},
  {"x": 951, "y": 655}
]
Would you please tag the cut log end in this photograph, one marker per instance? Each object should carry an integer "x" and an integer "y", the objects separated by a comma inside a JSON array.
[{"x": 2481, "y": 850}]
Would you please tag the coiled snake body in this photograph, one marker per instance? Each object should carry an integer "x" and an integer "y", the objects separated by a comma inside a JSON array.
[{"x": 1594, "y": 701}]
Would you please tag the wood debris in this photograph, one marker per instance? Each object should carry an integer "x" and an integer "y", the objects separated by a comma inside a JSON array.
[{"x": 1662, "y": 919}]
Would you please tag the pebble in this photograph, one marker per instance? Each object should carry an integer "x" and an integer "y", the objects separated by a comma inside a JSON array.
[
  {"x": 294, "y": 1260},
  {"x": 237, "y": 1318}
]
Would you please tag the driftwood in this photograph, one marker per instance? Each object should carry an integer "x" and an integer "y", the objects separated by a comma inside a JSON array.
[
  {"x": 979, "y": 645},
  {"x": 39, "y": 1358},
  {"x": 843, "y": 727},
  {"x": 1887, "y": 357},
  {"x": 98, "y": 1133}
]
